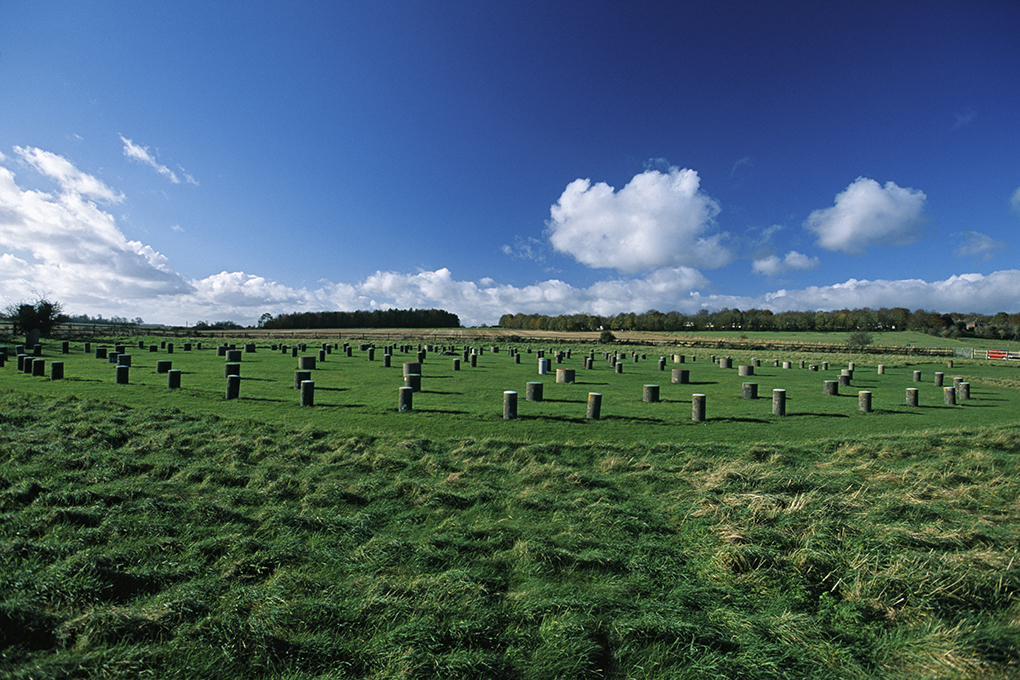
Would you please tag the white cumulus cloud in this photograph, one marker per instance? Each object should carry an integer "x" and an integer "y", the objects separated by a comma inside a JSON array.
[
  {"x": 657, "y": 220},
  {"x": 773, "y": 265},
  {"x": 980, "y": 293},
  {"x": 866, "y": 213},
  {"x": 64, "y": 243}
]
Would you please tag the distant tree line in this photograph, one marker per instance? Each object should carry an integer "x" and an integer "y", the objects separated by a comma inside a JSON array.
[
  {"x": 116, "y": 320},
  {"x": 1001, "y": 326},
  {"x": 377, "y": 318}
]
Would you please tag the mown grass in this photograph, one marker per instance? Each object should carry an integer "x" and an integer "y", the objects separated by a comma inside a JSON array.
[
  {"x": 360, "y": 396},
  {"x": 189, "y": 538}
]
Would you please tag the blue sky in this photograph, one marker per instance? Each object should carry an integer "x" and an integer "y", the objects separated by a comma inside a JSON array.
[{"x": 193, "y": 161}]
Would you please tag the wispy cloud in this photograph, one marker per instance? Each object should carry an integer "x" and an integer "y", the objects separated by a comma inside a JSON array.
[
  {"x": 746, "y": 160},
  {"x": 71, "y": 180},
  {"x": 529, "y": 248},
  {"x": 963, "y": 119},
  {"x": 867, "y": 214},
  {"x": 978, "y": 246},
  {"x": 1014, "y": 201},
  {"x": 774, "y": 265},
  {"x": 141, "y": 154},
  {"x": 659, "y": 219}
]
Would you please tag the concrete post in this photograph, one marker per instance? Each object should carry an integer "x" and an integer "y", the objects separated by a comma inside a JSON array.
[
  {"x": 308, "y": 393},
  {"x": 698, "y": 407},
  {"x": 405, "y": 399},
  {"x": 509, "y": 404},
  {"x": 912, "y": 396},
  {"x": 779, "y": 402}
]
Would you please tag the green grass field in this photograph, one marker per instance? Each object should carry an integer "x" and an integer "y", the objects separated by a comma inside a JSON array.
[{"x": 149, "y": 532}]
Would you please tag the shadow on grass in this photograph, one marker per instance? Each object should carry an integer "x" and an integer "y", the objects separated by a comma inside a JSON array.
[
  {"x": 441, "y": 410},
  {"x": 814, "y": 415}
]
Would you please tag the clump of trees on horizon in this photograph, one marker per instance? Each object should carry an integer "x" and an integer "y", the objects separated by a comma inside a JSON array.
[
  {"x": 377, "y": 318},
  {"x": 1000, "y": 326}
]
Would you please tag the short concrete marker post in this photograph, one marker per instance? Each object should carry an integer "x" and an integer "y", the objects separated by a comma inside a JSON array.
[
  {"x": 698, "y": 407},
  {"x": 405, "y": 399},
  {"x": 594, "y": 411},
  {"x": 917, "y": 376},
  {"x": 650, "y": 394},
  {"x": 830, "y": 387},
  {"x": 749, "y": 390},
  {"x": 163, "y": 366},
  {"x": 912, "y": 393},
  {"x": 233, "y": 387},
  {"x": 745, "y": 370},
  {"x": 533, "y": 391},
  {"x": 122, "y": 374},
  {"x": 173, "y": 379},
  {"x": 57, "y": 370},
  {"x": 939, "y": 377},
  {"x": 949, "y": 396},
  {"x": 308, "y": 393},
  {"x": 39, "y": 367},
  {"x": 509, "y": 404},
  {"x": 300, "y": 377},
  {"x": 681, "y": 376},
  {"x": 778, "y": 402},
  {"x": 864, "y": 401}
]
